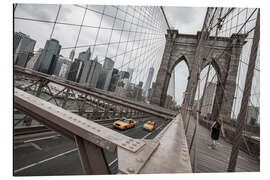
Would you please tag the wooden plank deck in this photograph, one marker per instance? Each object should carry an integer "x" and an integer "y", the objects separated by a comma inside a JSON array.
[{"x": 216, "y": 160}]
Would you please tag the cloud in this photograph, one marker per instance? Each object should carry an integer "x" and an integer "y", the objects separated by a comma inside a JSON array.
[{"x": 186, "y": 19}]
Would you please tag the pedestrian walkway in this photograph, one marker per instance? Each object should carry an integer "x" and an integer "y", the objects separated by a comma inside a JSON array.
[{"x": 216, "y": 160}]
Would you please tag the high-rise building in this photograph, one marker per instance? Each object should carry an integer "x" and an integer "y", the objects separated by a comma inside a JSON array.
[
  {"x": 91, "y": 72},
  {"x": 64, "y": 70},
  {"x": 17, "y": 37},
  {"x": 85, "y": 55},
  {"x": 106, "y": 74},
  {"x": 72, "y": 54},
  {"x": 75, "y": 70},
  {"x": 31, "y": 63},
  {"x": 253, "y": 115},
  {"x": 114, "y": 80},
  {"x": 62, "y": 61},
  {"x": 49, "y": 56},
  {"x": 140, "y": 85},
  {"x": 148, "y": 81},
  {"x": 23, "y": 48},
  {"x": 130, "y": 71},
  {"x": 124, "y": 75},
  {"x": 171, "y": 87},
  {"x": 209, "y": 97}
]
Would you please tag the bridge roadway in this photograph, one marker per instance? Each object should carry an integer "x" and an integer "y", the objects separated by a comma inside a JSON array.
[
  {"x": 217, "y": 160},
  {"x": 58, "y": 155}
]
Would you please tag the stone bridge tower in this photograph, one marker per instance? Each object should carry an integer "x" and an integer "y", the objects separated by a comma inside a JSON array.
[{"x": 223, "y": 53}]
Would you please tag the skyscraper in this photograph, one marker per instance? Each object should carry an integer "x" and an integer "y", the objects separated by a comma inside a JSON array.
[
  {"x": 124, "y": 75},
  {"x": 75, "y": 70},
  {"x": 49, "y": 56},
  {"x": 114, "y": 80},
  {"x": 253, "y": 115},
  {"x": 72, "y": 54},
  {"x": 23, "y": 48},
  {"x": 171, "y": 87},
  {"x": 148, "y": 81},
  {"x": 140, "y": 85},
  {"x": 130, "y": 71},
  {"x": 106, "y": 74},
  {"x": 91, "y": 72},
  {"x": 62, "y": 61},
  {"x": 31, "y": 63},
  {"x": 208, "y": 100},
  {"x": 85, "y": 55}
]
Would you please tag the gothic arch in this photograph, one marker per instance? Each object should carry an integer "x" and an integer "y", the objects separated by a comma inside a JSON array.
[{"x": 183, "y": 47}]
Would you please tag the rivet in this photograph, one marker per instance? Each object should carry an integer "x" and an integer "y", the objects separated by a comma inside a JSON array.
[
  {"x": 139, "y": 160},
  {"x": 130, "y": 170}
]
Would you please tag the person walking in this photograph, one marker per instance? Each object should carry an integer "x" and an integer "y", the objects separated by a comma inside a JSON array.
[{"x": 216, "y": 127}]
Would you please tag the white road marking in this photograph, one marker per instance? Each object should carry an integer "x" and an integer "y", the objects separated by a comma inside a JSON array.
[
  {"x": 113, "y": 162},
  {"x": 45, "y": 160},
  {"x": 27, "y": 145},
  {"x": 38, "y": 139}
]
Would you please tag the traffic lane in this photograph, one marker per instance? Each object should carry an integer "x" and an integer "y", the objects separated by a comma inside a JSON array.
[
  {"x": 57, "y": 153},
  {"x": 138, "y": 132},
  {"x": 25, "y": 154},
  {"x": 67, "y": 164}
]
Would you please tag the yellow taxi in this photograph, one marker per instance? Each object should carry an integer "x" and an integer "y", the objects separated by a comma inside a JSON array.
[
  {"x": 124, "y": 123},
  {"x": 149, "y": 126}
]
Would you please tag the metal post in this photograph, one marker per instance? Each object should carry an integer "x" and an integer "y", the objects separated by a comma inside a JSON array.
[
  {"x": 92, "y": 157},
  {"x": 246, "y": 94}
]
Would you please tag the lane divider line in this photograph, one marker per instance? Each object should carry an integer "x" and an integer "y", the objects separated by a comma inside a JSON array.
[
  {"x": 38, "y": 139},
  {"x": 45, "y": 160},
  {"x": 111, "y": 163}
]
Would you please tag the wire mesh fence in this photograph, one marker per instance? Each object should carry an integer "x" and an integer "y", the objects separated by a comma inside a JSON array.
[{"x": 132, "y": 36}]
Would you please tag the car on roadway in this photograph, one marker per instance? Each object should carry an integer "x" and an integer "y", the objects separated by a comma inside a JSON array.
[
  {"x": 124, "y": 123},
  {"x": 149, "y": 126}
]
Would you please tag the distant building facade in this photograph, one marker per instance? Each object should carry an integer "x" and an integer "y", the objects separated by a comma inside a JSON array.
[
  {"x": 62, "y": 62},
  {"x": 148, "y": 81},
  {"x": 106, "y": 74},
  {"x": 140, "y": 85},
  {"x": 72, "y": 54},
  {"x": 90, "y": 74},
  {"x": 209, "y": 96},
  {"x": 124, "y": 75},
  {"x": 171, "y": 87},
  {"x": 31, "y": 63},
  {"x": 75, "y": 70},
  {"x": 23, "y": 47},
  {"x": 114, "y": 80},
  {"x": 253, "y": 115},
  {"x": 130, "y": 71},
  {"x": 49, "y": 56}
]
